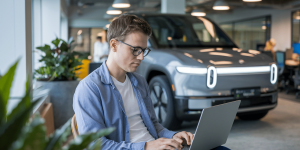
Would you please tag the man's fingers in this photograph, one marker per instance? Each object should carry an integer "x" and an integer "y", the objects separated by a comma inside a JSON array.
[
  {"x": 179, "y": 140},
  {"x": 167, "y": 147},
  {"x": 187, "y": 138},
  {"x": 191, "y": 136},
  {"x": 172, "y": 142}
]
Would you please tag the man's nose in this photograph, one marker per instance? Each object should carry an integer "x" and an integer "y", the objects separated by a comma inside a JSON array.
[{"x": 141, "y": 56}]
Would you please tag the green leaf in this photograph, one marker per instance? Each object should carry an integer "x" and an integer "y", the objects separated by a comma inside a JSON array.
[
  {"x": 70, "y": 40},
  {"x": 56, "y": 42},
  {"x": 78, "y": 68},
  {"x": 44, "y": 48},
  {"x": 64, "y": 46},
  {"x": 10, "y": 131},
  {"x": 33, "y": 136},
  {"x": 96, "y": 146},
  {"x": 23, "y": 104},
  {"x": 53, "y": 76},
  {"x": 5, "y": 85},
  {"x": 83, "y": 141},
  {"x": 54, "y": 139},
  {"x": 60, "y": 69}
]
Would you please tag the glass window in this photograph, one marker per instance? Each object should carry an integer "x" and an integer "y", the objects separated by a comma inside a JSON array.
[
  {"x": 187, "y": 31},
  {"x": 228, "y": 29},
  {"x": 249, "y": 34},
  {"x": 81, "y": 36}
]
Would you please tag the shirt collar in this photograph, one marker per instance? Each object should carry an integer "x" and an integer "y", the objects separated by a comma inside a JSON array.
[{"x": 106, "y": 79}]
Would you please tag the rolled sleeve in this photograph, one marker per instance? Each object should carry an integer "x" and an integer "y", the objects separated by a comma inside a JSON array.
[{"x": 166, "y": 133}]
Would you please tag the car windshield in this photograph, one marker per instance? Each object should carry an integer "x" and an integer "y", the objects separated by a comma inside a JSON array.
[{"x": 187, "y": 31}]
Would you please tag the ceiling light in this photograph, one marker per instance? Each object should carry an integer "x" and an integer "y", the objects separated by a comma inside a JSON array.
[
  {"x": 121, "y": 4},
  {"x": 221, "y": 5},
  {"x": 251, "y": 0},
  {"x": 296, "y": 15},
  {"x": 113, "y": 11},
  {"x": 198, "y": 12}
]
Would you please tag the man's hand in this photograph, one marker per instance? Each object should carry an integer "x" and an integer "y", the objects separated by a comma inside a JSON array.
[
  {"x": 184, "y": 138},
  {"x": 163, "y": 143}
]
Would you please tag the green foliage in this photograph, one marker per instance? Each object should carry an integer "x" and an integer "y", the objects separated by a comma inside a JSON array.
[
  {"x": 60, "y": 62},
  {"x": 17, "y": 133}
]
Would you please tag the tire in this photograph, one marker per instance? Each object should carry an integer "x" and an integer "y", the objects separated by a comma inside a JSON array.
[
  {"x": 253, "y": 116},
  {"x": 163, "y": 102}
]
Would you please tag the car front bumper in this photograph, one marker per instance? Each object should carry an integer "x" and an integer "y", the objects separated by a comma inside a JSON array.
[{"x": 189, "y": 108}]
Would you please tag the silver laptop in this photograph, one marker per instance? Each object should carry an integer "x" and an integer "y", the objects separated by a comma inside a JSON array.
[{"x": 214, "y": 126}]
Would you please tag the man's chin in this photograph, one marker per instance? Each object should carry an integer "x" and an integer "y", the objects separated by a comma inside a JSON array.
[{"x": 132, "y": 69}]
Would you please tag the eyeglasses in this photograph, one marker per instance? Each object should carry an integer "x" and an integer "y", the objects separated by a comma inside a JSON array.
[{"x": 138, "y": 50}]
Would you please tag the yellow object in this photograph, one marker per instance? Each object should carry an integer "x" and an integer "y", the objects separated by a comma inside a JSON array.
[
  {"x": 74, "y": 126},
  {"x": 84, "y": 71},
  {"x": 184, "y": 38}
]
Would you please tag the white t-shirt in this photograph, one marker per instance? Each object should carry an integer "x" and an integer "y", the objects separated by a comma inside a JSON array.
[{"x": 138, "y": 130}]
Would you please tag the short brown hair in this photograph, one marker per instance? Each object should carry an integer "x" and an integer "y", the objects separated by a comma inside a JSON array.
[{"x": 126, "y": 24}]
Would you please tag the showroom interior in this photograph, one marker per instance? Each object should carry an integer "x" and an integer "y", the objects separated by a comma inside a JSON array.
[{"x": 203, "y": 53}]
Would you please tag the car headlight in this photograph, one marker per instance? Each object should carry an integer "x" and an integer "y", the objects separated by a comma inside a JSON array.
[
  {"x": 274, "y": 74},
  {"x": 210, "y": 72},
  {"x": 191, "y": 70},
  {"x": 211, "y": 79}
]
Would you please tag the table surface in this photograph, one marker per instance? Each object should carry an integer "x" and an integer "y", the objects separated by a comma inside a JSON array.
[{"x": 292, "y": 63}]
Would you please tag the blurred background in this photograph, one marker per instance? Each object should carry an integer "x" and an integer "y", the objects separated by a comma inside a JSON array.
[{"x": 29, "y": 28}]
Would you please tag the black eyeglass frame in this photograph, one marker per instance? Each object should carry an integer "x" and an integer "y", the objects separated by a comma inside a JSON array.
[{"x": 135, "y": 47}]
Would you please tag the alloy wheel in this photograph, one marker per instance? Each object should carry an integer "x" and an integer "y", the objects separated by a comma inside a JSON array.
[{"x": 160, "y": 101}]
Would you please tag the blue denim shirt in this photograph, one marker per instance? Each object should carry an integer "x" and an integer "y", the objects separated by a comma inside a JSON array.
[{"x": 98, "y": 104}]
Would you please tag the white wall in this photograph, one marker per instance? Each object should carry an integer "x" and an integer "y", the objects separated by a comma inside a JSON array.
[
  {"x": 280, "y": 22},
  {"x": 50, "y": 21},
  {"x": 15, "y": 41}
]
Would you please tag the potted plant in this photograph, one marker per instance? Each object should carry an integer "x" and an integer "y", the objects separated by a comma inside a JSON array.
[
  {"x": 58, "y": 74},
  {"x": 17, "y": 134}
]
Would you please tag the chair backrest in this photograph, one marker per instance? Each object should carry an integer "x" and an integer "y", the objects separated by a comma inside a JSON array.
[
  {"x": 74, "y": 126},
  {"x": 280, "y": 58},
  {"x": 288, "y": 53},
  {"x": 93, "y": 66}
]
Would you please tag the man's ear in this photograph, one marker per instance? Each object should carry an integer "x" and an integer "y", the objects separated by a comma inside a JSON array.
[{"x": 113, "y": 45}]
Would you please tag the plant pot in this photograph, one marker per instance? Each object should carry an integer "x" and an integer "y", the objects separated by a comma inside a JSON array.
[{"x": 61, "y": 96}]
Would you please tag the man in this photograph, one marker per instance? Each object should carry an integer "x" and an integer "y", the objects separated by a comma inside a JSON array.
[
  {"x": 114, "y": 96},
  {"x": 100, "y": 50}
]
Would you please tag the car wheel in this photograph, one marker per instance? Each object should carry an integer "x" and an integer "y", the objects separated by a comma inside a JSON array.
[
  {"x": 163, "y": 102},
  {"x": 254, "y": 116}
]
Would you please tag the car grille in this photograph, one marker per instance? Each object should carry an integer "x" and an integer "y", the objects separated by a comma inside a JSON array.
[{"x": 249, "y": 102}]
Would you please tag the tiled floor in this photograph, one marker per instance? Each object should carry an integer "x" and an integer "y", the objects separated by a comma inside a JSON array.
[{"x": 279, "y": 130}]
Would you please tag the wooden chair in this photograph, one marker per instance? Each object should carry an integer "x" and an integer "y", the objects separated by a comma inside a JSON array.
[{"x": 74, "y": 126}]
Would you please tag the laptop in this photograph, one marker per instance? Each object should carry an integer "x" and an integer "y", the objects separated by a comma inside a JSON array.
[{"x": 214, "y": 126}]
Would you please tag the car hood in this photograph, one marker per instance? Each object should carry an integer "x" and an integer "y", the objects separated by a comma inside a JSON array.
[{"x": 225, "y": 57}]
